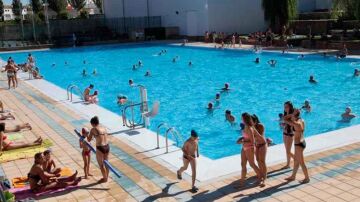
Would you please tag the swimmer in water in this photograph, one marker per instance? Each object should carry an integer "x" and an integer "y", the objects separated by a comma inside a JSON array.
[
  {"x": 306, "y": 106},
  {"x": 131, "y": 82},
  {"x": 210, "y": 106},
  {"x": 347, "y": 116},
  {"x": 147, "y": 73},
  {"x": 217, "y": 97},
  {"x": 174, "y": 60},
  {"x": 356, "y": 73},
  {"x": 312, "y": 80},
  {"x": 302, "y": 56},
  {"x": 134, "y": 67},
  {"x": 66, "y": 63},
  {"x": 84, "y": 72},
  {"x": 140, "y": 63},
  {"x": 190, "y": 63},
  {"x": 226, "y": 87},
  {"x": 53, "y": 65},
  {"x": 84, "y": 62},
  {"x": 229, "y": 117},
  {"x": 121, "y": 99},
  {"x": 281, "y": 119},
  {"x": 94, "y": 72},
  {"x": 257, "y": 60},
  {"x": 272, "y": 63}
]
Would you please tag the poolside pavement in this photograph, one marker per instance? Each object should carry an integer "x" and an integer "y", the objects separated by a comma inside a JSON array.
[{"x": 335, "y": 174}]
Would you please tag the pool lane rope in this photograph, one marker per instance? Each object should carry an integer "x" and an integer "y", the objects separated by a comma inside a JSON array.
[{"x": 106, "y": 162}]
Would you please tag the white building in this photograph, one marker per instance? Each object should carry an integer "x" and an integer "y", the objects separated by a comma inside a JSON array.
[
  {"x": 194, "y": 17},
  {"x": 9, "y": 15}
]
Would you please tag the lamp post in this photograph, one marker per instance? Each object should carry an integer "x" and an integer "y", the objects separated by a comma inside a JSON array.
[
  {"x": 47, "y": 19},
  {"x": 22, "y": 21},
  {"x": 33, "y": 23}
]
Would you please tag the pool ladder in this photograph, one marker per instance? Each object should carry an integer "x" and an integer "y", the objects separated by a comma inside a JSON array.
[
  {"x": 131, "y": 123},
  {"x": 69, "y": 92},
  {"x": 169, "y": 130}
]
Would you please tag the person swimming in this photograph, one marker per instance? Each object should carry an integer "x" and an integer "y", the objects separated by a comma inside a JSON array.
[
  {"x": 121, "y": 99},
  {"x": 147, "y": 73},
  {"x": 83, "y": 72},
  {"x": 217, "y": 97},
  {"x": 140, "y": 63},
  {"x": 210, "y": 106},
  {"x": 312, "y": 80},
  {"x": 84, "y": 62},
  {"x": 134, "y": 67},
  {"x": 190, "y": 63},
  {"x": 272, "y": 62},
  {"x": 347, "y": 116},
  {"x": 356, "y": 73},
  {"x": 94, "y": 72},
  {"x": 131, "y": 82},
  {"x": 306, "y": 106},
  {"x": 229, "y": 117},
  {"x": 257, "y": 60},
  {"x": 302, "y": 56},
  {"x": 226, "y": 87}
]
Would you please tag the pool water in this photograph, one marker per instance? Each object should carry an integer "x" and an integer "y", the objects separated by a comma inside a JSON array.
[{"x": 185, "y": 91}]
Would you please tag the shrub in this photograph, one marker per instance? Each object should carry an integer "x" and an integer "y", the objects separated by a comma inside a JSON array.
[
  {"x": 84, "y": 14},
  {"x": 63, "y": 15}
]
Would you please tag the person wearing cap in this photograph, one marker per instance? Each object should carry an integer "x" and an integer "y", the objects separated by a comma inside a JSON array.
[
  {"x": 49, "y": 165},
  {"x": 347, "y": 116},
  {"x": 87, "y": 96},
  {"x": 190, "y": 152},
  {"x": 85, "y": 152}
]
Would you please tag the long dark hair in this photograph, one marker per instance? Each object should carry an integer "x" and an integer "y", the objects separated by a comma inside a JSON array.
[
  {"x": 255, "y": 119},
  {"x": 291, "y": 106},
  {"x": 247, "y": 119}
]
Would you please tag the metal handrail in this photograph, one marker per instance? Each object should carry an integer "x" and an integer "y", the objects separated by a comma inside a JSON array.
[
  {"x": 131, "y": 124},
  {"x": 69, "y": 92},
  {"x": 161, "y": 125},
  {"x": 175, "y": 134}
]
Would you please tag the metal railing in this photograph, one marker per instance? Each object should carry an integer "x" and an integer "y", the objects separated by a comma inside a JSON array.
[
  {"x": 169, "y": 130},
  {"x": 69, "y": 92},
  {"x": 131, "y": 123}
]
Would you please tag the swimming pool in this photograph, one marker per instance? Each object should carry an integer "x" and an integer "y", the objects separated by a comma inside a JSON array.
[{"x": 185, "y": 91}]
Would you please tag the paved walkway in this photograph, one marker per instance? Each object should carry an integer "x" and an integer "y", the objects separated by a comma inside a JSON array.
[{"x": 335, "y": 174}]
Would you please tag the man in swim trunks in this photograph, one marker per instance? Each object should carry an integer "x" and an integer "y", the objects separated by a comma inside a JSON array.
[
  {"x": 11, "y": 73},
  {"x": 312, "y": 80},
  {"x": 356, "y": 73},
  {"x": 87, "y": 95},
  {"x": 190, "y": 152}
]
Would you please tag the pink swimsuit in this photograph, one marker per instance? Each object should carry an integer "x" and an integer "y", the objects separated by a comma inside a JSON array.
[{"x": 247, "y": 145}]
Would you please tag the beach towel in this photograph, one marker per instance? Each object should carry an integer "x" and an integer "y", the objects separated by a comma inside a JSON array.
[
  {"x": 15, "y": 136},
  {"x": 25, "y": 192},
  {"x": 22, "y": 153},
  {"x": 20, "y": 182}
]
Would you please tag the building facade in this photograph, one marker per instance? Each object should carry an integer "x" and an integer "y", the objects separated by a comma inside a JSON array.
[
  {"x": 194, "y": 17},
  {"x": 9, "y": 15}
]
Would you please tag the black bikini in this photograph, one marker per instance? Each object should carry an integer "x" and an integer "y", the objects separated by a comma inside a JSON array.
[
  {"x": 302, "y": 144},
  {"x": 34, "y": 177},
  {"x": 288, "y": 130},
  {"x": 105, "y": 149}
]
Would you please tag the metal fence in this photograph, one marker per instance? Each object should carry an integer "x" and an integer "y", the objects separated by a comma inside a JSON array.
[{"x": 92, "y": 28}]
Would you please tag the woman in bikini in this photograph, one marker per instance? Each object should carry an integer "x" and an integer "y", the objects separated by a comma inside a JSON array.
[
  {"x": 260, "y": 146},
  {"x": 6, "y": 144},
  {"x": 288, "y": 134},
  {"x": 10, "y": 70},
  {"x": 17, "y": 128},
  {"x": 298, "y": 124},
  {"x": 41, "y": 181},
  {"x": 248, "y": 148},
  {"x": 102, "y": 146}
]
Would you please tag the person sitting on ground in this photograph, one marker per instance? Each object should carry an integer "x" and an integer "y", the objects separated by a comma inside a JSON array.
[
  {"x": 347, "y": 116},
  {"x": 257, "y": 60},
  {"x": 312, "y": 80},
  {"x": 41, "y": 181},
  {"x": 86, "y": 152},
  {"x": 226, "y": 87},
  {"x": 356, "y": 73},
  {"x": 87, "y": 91},
  {"x": 147, "y": 73},
  {"x": 36, "y": 74},
  {"x": 49, "y": 165},
  {"x": 9, "y": 116},
  {"x": 94, "y": 98},
  {"x": 272, "y": 62},
  {"x": 6, "y": 144},
  {"x": 306, "y": 106},
  {"x": 229, "y": 117}
]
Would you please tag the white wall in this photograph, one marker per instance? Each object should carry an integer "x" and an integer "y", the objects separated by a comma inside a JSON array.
[{"x": 231, "y": 16}]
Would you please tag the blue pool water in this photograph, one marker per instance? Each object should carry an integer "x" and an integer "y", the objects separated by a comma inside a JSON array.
[{"x": 185, "y": 91}]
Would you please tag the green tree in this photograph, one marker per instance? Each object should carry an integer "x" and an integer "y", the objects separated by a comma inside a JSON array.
[
  {"x": 99, "y": 3},
  {"x": 347, "y": 9},
  {"x": 36, "y": 5},
  {"x": 57, "y": 5},
  {"x": 279, "y": 12},
  {"x": 78, "y": 4},
  {"x": 16, "y": 7},
  {"x": 2, "y": 9}
]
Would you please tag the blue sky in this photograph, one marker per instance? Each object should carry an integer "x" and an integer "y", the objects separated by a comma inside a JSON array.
[{"x": 8, "y": 2}]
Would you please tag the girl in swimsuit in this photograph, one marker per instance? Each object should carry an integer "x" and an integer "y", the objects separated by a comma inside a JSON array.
[
  {"x": 248, "y": 148},
  {"x": 41, "y": 181},
  {"x": 102, "y": 146},
  {"x": 298, "y": 124},
  {"x": 288, "y": 134},
  {"x": 260, "y": 145},
  {"x": 6, "y": 145},
  {"x": 85, "y": 153},
  {"x": 49, "y": 163}
]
